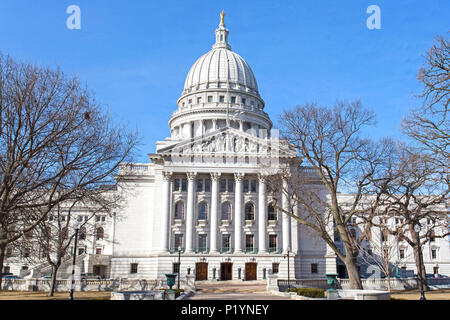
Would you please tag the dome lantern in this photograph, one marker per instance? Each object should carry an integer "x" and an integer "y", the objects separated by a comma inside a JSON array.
[{"x": 222, "y": 34}]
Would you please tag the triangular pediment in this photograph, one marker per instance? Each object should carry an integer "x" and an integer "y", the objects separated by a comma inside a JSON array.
[{"x": 229, "y": 142}]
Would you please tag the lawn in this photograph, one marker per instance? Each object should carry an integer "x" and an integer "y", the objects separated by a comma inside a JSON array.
[
  {"x": 40, "y": 295},
  {"x": 443, "y": 294}
]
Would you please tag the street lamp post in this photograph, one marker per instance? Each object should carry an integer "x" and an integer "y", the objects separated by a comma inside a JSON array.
[
  {"x": 419, "y": 252},
  {"x": 179, "y": 266},
  {"x": 289, "y": 274},
  {"x": 77, "y": 227}
]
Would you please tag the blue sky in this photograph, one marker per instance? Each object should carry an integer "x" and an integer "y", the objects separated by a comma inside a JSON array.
[{"x": 135, "y": 55}]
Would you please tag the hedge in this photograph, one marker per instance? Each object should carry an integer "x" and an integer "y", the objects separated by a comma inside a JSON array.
[{"x": 308, "y": 292}]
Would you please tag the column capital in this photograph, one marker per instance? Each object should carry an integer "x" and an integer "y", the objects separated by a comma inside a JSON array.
[
  {"x": 215, "y": 176},
  {"x": 239, "y": 176},
  {"x": 191, "y": 175},
  {"x": 166, "y": 175},
  {"x": 262, "y": 178}
]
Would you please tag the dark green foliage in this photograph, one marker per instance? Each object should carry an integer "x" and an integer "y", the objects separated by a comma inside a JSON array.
[{"x": 308, "y": 292}]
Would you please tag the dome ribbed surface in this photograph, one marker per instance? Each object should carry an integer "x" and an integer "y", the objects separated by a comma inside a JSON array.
[{"x": 221, "y": 67}]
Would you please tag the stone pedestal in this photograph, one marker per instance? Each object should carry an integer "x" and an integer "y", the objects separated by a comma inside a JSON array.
[
  {"x": 272, "y": 282},
  {"x": 190, "y": 283}
]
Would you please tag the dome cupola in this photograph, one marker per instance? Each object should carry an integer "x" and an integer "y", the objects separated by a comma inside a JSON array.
[{"x": 220, "y": 90}]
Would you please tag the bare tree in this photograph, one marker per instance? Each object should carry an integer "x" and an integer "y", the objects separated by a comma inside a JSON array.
[
  {"x": 430, "y": 125},
  {"x": 381, "y": 250},
  {"x": 55, "y": 142},
  {"x": 414, "y": 188},
  {"x": 55, "y": 234},
  {"x": 330, "y": 140}
]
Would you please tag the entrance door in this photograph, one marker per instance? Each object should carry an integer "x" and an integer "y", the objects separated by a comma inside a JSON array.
[
  {"x": 250, "y": 271},
  {"x": 201, "y": 271},
  {"x": 226, "y": 271}
]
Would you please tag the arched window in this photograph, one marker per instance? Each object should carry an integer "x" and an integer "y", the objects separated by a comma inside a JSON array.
[
  {"x": 179, "y": 210},
  {"x": 271, "y": 213},
  {"x": 202, "y": 211},
  {"x": 226, "y": 211},
  {"x": 82, "y": 233},
  {"x": 100, "y": 233},
  {"x": 249, "y": 211}
]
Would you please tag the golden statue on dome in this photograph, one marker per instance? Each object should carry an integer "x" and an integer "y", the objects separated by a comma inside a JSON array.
[{"x": 222, "y": 17}]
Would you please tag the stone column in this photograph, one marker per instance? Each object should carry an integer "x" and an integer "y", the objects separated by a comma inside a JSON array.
[
  {"x": 262, "y": 215},
  {"x": 238, "y": 199},
  {"x": 286, "y": 219},
  {"x": 214, "y": 208},
  {"x": 190, "y": 211},
  {"x": 166, "y": 210}
]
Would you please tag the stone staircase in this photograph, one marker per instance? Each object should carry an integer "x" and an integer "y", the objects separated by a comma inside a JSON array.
[{"x": 233, "y": 286}]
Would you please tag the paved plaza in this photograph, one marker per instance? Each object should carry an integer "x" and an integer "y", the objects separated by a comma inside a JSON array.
[{"x": 233, "y": 290}]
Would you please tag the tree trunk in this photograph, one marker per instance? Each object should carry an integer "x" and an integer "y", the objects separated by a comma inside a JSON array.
[
  {"x": 420, "y": 268},
  {"x": 353, "y": 273},
  {"x": 2, "y": 258},
  {"x": 388, "y": 277},
  {"x": 53, "y": 281}
]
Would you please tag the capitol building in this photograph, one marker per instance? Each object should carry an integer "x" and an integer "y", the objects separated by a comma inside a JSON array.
[
  {"x": 205, "y": 190},
  {"x": 204, "y": 195}
]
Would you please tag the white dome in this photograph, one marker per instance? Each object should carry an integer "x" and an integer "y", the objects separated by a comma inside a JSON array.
[
  {"x": 221, "y": 68},
  {"x": 220, "y": 91}
]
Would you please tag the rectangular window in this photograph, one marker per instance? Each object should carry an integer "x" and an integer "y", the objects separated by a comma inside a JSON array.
[
  {"x": 275, "y": 268},
  {"x": 202, "y": 242},
  {"x": 178, "y": 240},
  {"x": 245, "y": 185},
  {"x": 243, "y": 101},
  {"x": 253, "y": 185},
  {"x": 184, "y": 185},
  {"x": 314, "y": 268},
  {"x": 271, "y": 214},
  {"x": 210, "y": 99},
  {"x": 97, "y": 218},
  {"x": 199, "y": 185},
  {"x": 272, "y": 242},
  {"x": 233, "y": 99},
  {"x": 133, "y": 268},
  {"x": 221, "y": 98},
  {"x": 433, "y": 253},
  {"x": 199, "y": 100},
  {"x": 80, "y": 218},
  {"x": 98, "y": 251},
  {"x": 175, "y": 267},
  {"x": 80, "y": 251},
  {"x": 230, "y": 185},
  {"x": 103, "y": 219},
  {"x": 207, "y": 185},
  {"x": 402, "y": 253},
  {"x": 223, "y": 185},
  {"x": 249, "y": 242},
  {"x": 176, "y": 184},
  {"x": 226, "y": 242}
]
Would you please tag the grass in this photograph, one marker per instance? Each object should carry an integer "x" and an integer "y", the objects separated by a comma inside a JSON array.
[
  {"x": 443, "y": 294},
  {"x": 41, "y": 295}
]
